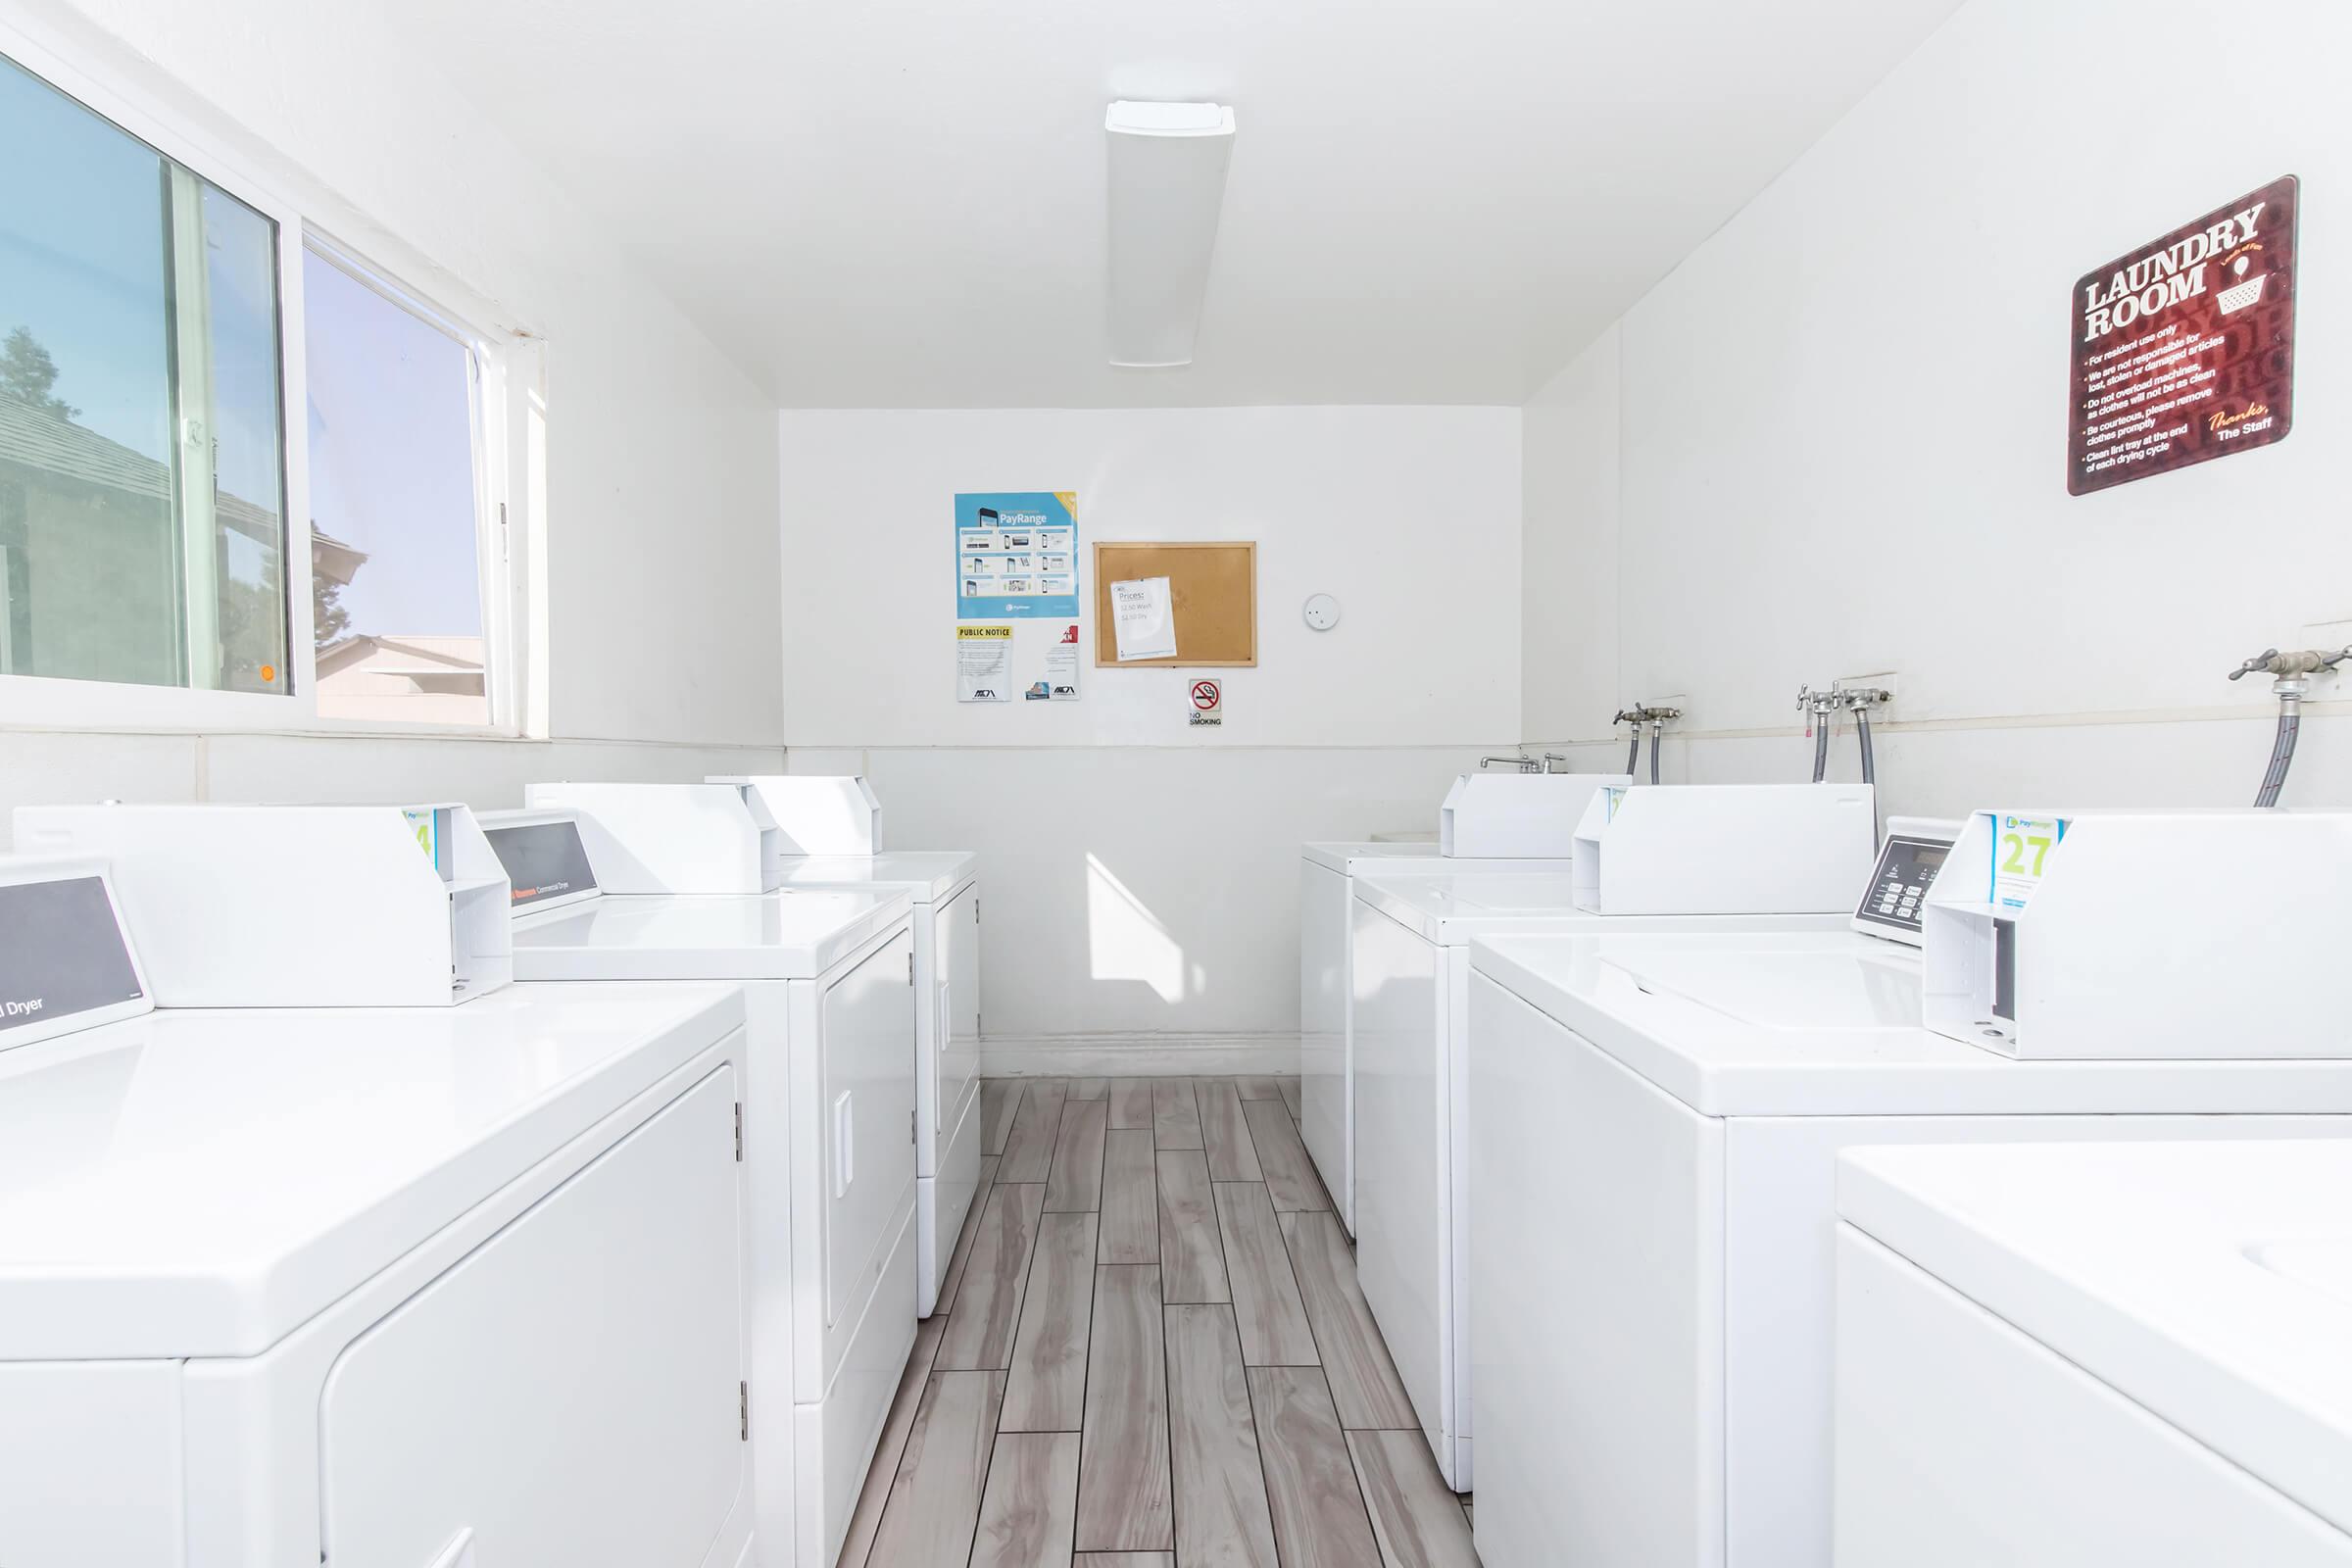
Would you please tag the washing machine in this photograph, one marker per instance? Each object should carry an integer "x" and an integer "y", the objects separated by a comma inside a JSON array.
[
  {"x": 1327, "y": 876},
  {"x": 2092, "y": 1353},
  {"x": 945, "y": 887},
  {"x": 1412, "y": 1039},
  {"x": 1658, "y": 1123},
  {"x": 829, "y": 1138},
  {"x": 413, "y": 1283},
  {"x": 1501, "y": 822}
]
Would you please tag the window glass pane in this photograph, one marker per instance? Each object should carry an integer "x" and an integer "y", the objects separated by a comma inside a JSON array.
[
  {"x": 395, "y": 539},
  {"x": 139, "y": 304},
  {"x": 88, "y": 544}
]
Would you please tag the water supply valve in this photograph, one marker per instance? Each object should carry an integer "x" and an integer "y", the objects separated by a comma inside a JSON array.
[
  {"x": 1657, "y": 719},
  {"x": 2290, "y": 683}
]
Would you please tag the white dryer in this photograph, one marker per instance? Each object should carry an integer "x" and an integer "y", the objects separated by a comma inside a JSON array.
[
  {"x": 386, "y": 1287},
  {"x": 945, "y": 887},
  {"x": 828, "y": 1130},
  {"x": 1658, "y": 1124},
  {"x": 1327, "y": 876},
  {"x": 1411, "y": 1044},
  {"x": 2095, "y": 1354},
  {"x": 745, "y": 834}
]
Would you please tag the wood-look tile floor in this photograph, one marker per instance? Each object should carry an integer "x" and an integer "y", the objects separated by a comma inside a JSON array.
[{"x": 1151, "y": 1352}]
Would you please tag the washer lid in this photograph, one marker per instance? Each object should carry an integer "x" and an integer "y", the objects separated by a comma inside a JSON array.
[
  {"x": 2209, "y": 1282},
  {"x": 1341, "y": 855},
  {"x": 927, "y": 876},
  {"x": 1826, "y": 1023},
  {"x": 791, "y": 934},
  {"x": 199, "y": 1182},
  {"x": 1452, "y": 910},
  {"x": 1420, "y": 858}
]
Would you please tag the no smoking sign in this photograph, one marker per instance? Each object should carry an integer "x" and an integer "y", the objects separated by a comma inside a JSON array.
[{"x": 1209, "y": 704}]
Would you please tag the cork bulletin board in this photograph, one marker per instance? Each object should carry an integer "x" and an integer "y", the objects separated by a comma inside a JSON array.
[{"x": 1213, "y": 589}]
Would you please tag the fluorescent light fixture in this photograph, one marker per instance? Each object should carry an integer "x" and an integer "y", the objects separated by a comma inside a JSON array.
[{"x": 1167, "y": 180}]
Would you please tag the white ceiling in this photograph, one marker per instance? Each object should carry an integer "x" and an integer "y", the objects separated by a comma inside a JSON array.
[{"x": 901, "y": 203}]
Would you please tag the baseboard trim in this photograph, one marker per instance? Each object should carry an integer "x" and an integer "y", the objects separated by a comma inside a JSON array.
[{"x": 1136, "y": 1056}]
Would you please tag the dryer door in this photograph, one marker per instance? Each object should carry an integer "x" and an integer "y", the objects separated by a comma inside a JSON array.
[
  {"x": 957, "y": 928},
  {"x": 568, "y": 1390},
  {"x": 866, "y": 1097}
]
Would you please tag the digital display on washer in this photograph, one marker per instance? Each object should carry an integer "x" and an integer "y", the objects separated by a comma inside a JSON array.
[
  {"x": 1898, "y": 885},
  {"x": 543, "y": 860},
  {"x": 62, "y": 951}
]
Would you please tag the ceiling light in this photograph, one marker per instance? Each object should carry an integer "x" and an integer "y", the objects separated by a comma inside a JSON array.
[{"x": 1167, "y": 180}]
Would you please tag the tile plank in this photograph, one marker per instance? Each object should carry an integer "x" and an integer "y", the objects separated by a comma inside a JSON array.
[
  {"x": 1076, "y": 1182},
  {"x": 1000, "y": 1098},
  {"x": 953, "y": 1281},
  {"x": 987, "y": 1309},
  {"x": 1192, "y": 1255},
  {"x": 1124, "y": 1560},
  {"x": 1130, "y": 1199},
  {"x": 1130, "y": 1103},
  {"x": 1291, "y": 1091},
  {"x": 1265, "y": 1297},
  {"x": 1364, "y": 1386},
  {"x": 1290, "y": 1175},
  {"x": 1232, "y": 1156},
  {"x": 1175, "y": 1114},
  {"x": 1415, "y": 1518},
  {"x": 1261, "y": 1087},
  {"x": 1222, "y": 1515},
  {"x": 1030, "y": 1510},
  {"x": 1319, "y": 1518},
  {"x": 1029, "y": 1146},
  {"x": 1124, "y": 1485},
  {"x": 1047, "y": 1389},
  {"x": 1090, "y": 1089},
  {"x": 934, "y": 1499},
  {"x": 880, "y": 1475}
]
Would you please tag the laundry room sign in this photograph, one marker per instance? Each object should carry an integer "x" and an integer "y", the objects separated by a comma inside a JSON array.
[{"x": 2185, "y": 348}]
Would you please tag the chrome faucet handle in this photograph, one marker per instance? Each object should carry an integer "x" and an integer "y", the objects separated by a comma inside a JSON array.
[{"x": 2259, "y": 664}]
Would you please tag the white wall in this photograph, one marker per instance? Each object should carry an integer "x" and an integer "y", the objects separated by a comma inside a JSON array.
[
  {"x": 1840, "y": 440},
  {"x": 1141, "y": 878},
  {"x": 661, "y": 474},
  {"x": 1568, "y": 584}
]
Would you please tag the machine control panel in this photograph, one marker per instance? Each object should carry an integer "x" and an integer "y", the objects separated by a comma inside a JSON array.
[
  {"x": 63, "y": 959},
  {"x": 1892, "y": 904},
  {"x": 546, "y": 861}
]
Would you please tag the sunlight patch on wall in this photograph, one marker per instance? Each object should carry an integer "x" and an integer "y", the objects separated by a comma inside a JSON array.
[{"x": 1125, "y": 940}]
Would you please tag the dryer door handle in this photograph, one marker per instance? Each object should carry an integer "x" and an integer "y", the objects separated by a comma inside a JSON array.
[{"x": 845, "y": 1145}]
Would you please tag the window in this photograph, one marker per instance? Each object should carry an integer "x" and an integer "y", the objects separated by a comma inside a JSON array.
[
  {"x": 399, "y": 555},
  {"x": 142, "y": 515},
  {"x": 247, "y": 479}
]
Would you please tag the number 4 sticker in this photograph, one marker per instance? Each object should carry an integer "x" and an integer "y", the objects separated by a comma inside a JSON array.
[{"x": 2020, "y": 854}]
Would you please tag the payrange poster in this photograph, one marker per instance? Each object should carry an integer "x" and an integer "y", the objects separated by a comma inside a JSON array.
[{"x": 1016, "y": 595}]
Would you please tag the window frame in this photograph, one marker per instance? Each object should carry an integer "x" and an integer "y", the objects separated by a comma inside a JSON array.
[{"x": 508, "y": 395}]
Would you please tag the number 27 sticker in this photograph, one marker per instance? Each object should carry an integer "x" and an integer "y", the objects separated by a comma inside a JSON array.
[{"x": 2020, "y": 854}]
